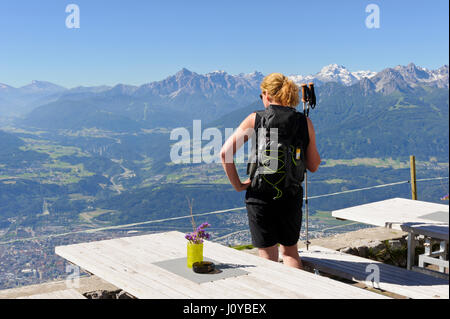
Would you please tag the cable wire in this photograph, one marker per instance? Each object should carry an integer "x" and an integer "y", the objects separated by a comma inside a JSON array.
[{"x": 202, "y": 214}]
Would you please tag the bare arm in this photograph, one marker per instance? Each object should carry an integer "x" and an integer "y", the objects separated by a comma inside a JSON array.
[
  {"x": 312, "y": 155},
  {"x": 230, "y": 147}
]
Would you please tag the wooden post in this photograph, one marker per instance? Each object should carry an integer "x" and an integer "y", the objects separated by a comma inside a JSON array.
[{"x": 412, "y": 160}]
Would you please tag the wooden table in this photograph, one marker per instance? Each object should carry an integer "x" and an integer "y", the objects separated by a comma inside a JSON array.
[
  {"x": 392, "y": 213},
  {"x": 412, "y": 216},
  {"x": 128, "y": 264}
]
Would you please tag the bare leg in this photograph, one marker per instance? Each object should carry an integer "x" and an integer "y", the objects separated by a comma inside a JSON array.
[
  {"x": 270, "y": 253},
  {"x": 291, "y": 257}
]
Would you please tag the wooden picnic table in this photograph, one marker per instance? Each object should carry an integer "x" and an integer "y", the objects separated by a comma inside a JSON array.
[
  {"x": 412, "y": 216},
  {"x": 134, "y": 265}
]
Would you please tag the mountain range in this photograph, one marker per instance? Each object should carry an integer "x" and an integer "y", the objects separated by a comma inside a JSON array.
[
  {"x": 216, "y": 92},
  {"x": 186, "y": 95},
  {"x": 19, "y": 101},
  {"x": 333, "y": 73},
  {"x": 385, "y": 81}
]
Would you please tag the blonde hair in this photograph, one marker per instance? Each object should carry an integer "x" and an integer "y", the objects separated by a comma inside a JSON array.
[{"x": 281, "y": 89}]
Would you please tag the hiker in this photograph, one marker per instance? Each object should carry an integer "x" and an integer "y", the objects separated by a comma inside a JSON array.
[{"x": 274, "y": 216}]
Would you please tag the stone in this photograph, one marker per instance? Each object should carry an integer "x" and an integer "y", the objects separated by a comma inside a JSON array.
[
  {"x": 102, "y": 294},
  {"x": 123, "y": 295},
  {"x": 404, "y": 240},
  {"x": 363, "y": 251},
  {"x": 346, "y": 250},
  {"x": 375, "y": 246},
  {"x": 395, "y": 244},
  {"x": 93, "y": 294},
  {"x": 386, "y": 257}
]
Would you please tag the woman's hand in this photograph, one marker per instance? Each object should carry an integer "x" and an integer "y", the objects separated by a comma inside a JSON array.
[{"x": 243, "y": 186}]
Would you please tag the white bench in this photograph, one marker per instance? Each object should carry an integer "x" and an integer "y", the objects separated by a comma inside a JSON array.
[
  {"x": 372, "y": 273},
  {"x": 432, "y": 233}
]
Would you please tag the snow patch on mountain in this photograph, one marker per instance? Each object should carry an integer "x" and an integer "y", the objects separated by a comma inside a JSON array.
[{"x": 333, "y": 73}]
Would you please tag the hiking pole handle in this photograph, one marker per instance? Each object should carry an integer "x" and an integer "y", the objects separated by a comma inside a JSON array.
[
  {"x": 305, "y": 98},
  {"x": 304, "y": 93},
  {"x": 312, "y": 95}
]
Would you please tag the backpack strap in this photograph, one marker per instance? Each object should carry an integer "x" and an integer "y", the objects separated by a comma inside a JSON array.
[
  {"x": 251, "y": 167},
  {"x": 258, "y": 116},
  {"x": 303, "y": 130},
  {"x": 258, "y": 122}
]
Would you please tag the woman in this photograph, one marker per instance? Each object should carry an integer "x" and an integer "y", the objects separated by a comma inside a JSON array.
[{"x": 272, "y": 221}]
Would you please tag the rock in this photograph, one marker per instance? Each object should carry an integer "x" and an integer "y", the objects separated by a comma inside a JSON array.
[
  {"x": 94, "y": 294},
  {"x": 376, "y": 246},
  {"x": 386, "y": 257},
  {"x": 346, "y": 250},
  {"x": 123, "y": 295},
  {"x": 102, "y": 294},
  {"x": 404, "y": 240},
  {"x": 395, "y": 243},
  {"x": 363, "y": 251}
]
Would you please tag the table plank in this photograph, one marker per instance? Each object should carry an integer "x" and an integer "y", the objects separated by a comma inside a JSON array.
[{"x": 429, "y": 230}]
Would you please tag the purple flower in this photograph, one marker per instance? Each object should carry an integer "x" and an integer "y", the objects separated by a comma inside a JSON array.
[
  {"x": 199, "y": 234},
  {"x": 204, "y": 225}
]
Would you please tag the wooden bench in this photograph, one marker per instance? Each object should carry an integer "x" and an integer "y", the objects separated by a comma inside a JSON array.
[
  {"x": 58, "y": 294},
  {"x": 375, "y": 274}
]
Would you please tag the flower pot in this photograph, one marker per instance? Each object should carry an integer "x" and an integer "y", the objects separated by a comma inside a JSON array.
[{"x": 194, "y": 253}]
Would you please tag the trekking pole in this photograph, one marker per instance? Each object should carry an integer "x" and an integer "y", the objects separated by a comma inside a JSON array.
[
  {"x": 311, "y": 96},
  {"x": 305, "y": 99}
]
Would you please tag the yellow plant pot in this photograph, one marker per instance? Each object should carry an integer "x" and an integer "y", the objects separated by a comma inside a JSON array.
[{"x": 194, "y": 253}]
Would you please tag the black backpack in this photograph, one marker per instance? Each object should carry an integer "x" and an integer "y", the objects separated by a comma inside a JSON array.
[{"x": 277, "y": 162}]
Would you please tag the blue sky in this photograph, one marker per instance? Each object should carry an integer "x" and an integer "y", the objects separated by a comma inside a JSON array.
[{"x": 137, "y": 41}]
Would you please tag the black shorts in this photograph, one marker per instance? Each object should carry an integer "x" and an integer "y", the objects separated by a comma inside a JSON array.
[{"x": 275, "y": 221}]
